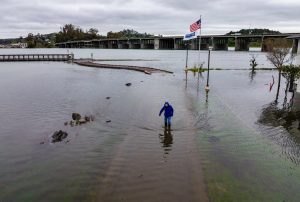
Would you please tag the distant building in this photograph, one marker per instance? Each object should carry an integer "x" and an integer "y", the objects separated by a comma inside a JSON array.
[{"x": 18, "y": 45}]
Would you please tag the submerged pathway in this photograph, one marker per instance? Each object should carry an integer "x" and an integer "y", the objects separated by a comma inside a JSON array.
[{"x": 151, "y": 164}]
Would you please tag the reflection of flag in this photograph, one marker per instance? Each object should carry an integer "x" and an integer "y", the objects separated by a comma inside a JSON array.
[
  {"x": 190, "y": 36},
  {"x": 195, "y": 26}
]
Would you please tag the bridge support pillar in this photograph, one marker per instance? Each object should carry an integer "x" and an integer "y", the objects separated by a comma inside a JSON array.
[
  {"x": 130, "y": 45},
  {"x": 156, "y": 44},
  {"x": 204, "y": 43},
  {"x": 134, "y": 44},
  {"x": 296, "y": 46},
  {"x": 220, "y": 44},
  {"x": 179, "y": 44},
  {"x": 122, "y": 44},
  {"x": 109, "y": 45},
  {"x": 142, "y": 44},
  {"x": 103, "y": 44},
  {"x": 194, "y": 44},
  {"x": 298, "y": 51},
  {"x": 147, "y": 43},
  {"x": 242, "y": 44},
  {"x": 166, "y": 43}
]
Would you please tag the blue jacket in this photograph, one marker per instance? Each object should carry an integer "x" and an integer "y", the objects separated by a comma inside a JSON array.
[{"x": 168, "y": 110}]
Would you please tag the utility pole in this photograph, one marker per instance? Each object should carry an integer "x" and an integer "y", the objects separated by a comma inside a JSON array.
[
  {"x": 208, "y": 64},
  {"x": 187, "y": 55}
]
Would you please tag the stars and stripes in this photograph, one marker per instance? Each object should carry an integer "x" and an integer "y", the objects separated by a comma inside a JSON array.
[{"x": 195, "y": 26}]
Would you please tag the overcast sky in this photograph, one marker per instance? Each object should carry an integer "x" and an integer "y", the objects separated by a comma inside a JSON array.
[{"x": 166, "y": 17}]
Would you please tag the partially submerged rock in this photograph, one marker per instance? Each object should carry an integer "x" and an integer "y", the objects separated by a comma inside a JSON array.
[
  {"x": 128, "y": 84},
  {"x": 76, "y": 116},
  {"x": 58, "y": 136},
  {"x": 87, "y": 118},
  {"x": 78, "y": 119}
]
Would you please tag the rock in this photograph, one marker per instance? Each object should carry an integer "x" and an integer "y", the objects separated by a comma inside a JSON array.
[
  {"x": 128, "y": 84},
  {"x": 108, "y": 121},
  {"x": 87, "y": 118},
  {"x": 92, "y": 118},
  {"x": 107, "y": 98},
  {"x": 82, "y": 121},
  {"x": 76, "y": 116},
  {"x": 66, "y": 123},
  {"x": 42, "y": 142},
  {"x": 58, "y": 136},
  {"x": 72, "y": 123}
]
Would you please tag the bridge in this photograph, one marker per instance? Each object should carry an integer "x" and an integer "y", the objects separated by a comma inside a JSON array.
[{"x": 218, "y": 42}]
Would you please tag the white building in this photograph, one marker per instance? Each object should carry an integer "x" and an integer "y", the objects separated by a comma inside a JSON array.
[{"x": 18, "y": 45}]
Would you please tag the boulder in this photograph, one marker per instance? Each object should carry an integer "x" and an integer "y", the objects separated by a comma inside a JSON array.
[
  {"x": 92, "y": 118},
  {"x": 76, "y": 116},
  {"x": 128, "y": 84},
  {"x": 87, "y": 118},
  {"x": 72, "y": 123},
  {"x": 58, "y": 136},
  {"x": 82, "y": 121}
]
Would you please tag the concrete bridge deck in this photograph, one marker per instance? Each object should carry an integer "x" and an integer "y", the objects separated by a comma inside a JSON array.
[{"x": 218, "y": 42}]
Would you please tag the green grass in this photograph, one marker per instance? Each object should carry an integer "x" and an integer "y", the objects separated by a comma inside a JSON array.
[{"x": 196, "y": 69}]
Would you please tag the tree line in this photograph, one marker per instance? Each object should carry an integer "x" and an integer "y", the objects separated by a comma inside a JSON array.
[
  {"x": 253, "y": 42},
  {"x": 70, "y": 32},
  {"x": 253, "y": 32}
]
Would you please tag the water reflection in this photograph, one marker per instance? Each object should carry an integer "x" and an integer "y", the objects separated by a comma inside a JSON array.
[
  {"x": 195, "y": 74},
  {"x": 167, "y": 140},
  {"x": 252, "y": 76},
  {"x": 206, "y": 98},
  {"x": 286, "y": 116}
]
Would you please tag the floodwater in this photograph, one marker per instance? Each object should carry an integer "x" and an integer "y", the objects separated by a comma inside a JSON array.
[{"x": 231, "y": 144}]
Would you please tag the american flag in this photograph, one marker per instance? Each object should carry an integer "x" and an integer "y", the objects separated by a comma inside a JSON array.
[{"x": 195, "y": 26}]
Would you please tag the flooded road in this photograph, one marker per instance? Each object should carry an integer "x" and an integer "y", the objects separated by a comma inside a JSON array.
[{"x": 221, "y": 147}]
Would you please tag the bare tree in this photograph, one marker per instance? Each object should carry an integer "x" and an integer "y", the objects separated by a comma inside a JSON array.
[
  {"x": 278, "y": 55},
  {"x": 253, "y": 62}
]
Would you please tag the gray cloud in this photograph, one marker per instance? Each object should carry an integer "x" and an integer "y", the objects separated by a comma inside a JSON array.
[{"x": 167, "y": 17}]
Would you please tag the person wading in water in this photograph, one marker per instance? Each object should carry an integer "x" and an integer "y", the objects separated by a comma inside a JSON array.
[{"x": 169, "y": 111}]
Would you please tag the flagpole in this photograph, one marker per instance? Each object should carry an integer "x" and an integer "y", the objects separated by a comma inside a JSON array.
[{"x": 200, "y": 42}]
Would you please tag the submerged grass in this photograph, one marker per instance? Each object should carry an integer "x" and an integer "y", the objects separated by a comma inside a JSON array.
[{"x": 240, "y": 164}]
